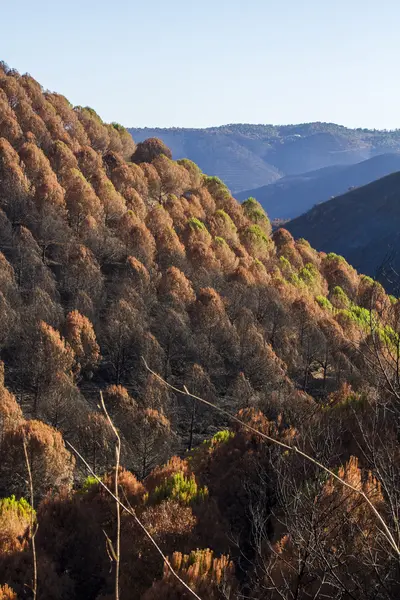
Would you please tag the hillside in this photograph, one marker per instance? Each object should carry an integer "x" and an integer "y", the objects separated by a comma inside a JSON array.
[
  {"x": 294, "y": 195},
  {"x": 116, "y": 481},
  {"x": 250, "y": 156},
  {"x": 362, "y": 225}
]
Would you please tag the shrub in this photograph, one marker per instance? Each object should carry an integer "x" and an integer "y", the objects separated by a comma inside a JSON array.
[
  {"x": 196, "y": 224},
  {"x": 180, "y": 487},
  {"x": 324, "y": 302}
]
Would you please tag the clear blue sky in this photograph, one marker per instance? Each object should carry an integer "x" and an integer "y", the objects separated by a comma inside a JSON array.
[{"x": 197, "y": 63}]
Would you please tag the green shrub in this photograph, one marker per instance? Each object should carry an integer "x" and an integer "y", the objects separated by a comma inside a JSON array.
[
  {"x": 309, "y": 273},
  {"x": 220, "y": 241},
  {"x": 118, "y": 126},
  {"x": 226, "y": 218},
  {"x": 339, "y": 297},
  {"x": 335, "y": 257},
  {"x": 255, "y": 232},
  {"x": 196, "y": 225},
  {"x": 89, "y": 484},
  {"x": 181, "y": 488},
  {"x": 215, "y": 186},
  {"x": 255, "y": 212},
  {"x": 324, "y": 302},
  {"x": 221, "y": 437},
  {"x": 304, "y": 242},
  {"x": 20, "y": 507}
]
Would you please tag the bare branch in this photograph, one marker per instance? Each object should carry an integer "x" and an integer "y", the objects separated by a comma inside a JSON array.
[
  {"x": 33, "y": 526},
  {"x": 116, "y": 492},
  {"x": 131, "y": 512},
  {"x": 387, "y": 533}
]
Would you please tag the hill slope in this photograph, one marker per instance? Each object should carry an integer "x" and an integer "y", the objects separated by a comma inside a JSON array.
[
  {"x": 249, "y": 156},
  {"x": 363, "y": 225},
  {"x": 293, "y": 195},
  {"x": 111, "y": 254}
]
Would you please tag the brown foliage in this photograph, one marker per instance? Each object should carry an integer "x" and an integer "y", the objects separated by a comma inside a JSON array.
[
  {"x": 81, "y": 200},
  {"x": 10, "y": 412},
  {"x": 9, "y": 126},
  {"x": 153, "y": 259},
  {"x": 138, "y": 240},
  {"x": 150, "y": 149},
  {"x": 95, "y": 129},
  {"x": 81, "y": 337},
  {"x": 51, "y": 464},
  {"x": 176, "y": 286},
  {"x": 7, "y": 593}
]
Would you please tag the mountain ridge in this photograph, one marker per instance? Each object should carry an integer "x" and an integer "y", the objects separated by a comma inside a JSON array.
[
  {"x": 293, "y": 195},
  {"x": 247, "y": 156},
  {"x": 363, "y": 225}
]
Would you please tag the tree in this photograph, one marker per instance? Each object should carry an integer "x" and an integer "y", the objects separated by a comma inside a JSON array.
[
  {"x": 194, "y": 171},
  {"x": 47, "y": 190},
  {"x": 14, "y": 185},
  {"x": 174, "y": 178},
  {"x": 256, "y": 214},
  {"x": 151, "y": 439},
  {"x": 15, "y": 519},
  {"x": 170, "y": 249},
  {"x": 338, "y": 272},
  {"x": 94, "y": 128},
  {"x": 9, "y": 126},
  {"x": 198, "y": 417},
  {"x": 28, "y": 119},
  {"x": 221, "y": 225},
  {"x": 80, "y": 335},
  {"x": 81, "y": 200},
  {"x": 150, "y": 149},
  {"x": 175, "y": 286},
  {"x": 82, "y": 279},
  {"x": 62, "y": 160},
  {"x": 127, "y": 143},
  {"x": 30, "y": 270},
  {"x": 95, "y": 439},
  {"x": 214, "y": 331},
  {"x": 204, "y": 573},
  {"x": 51, "y": 464},
  {"x": 10, "y": 412},
  {"x": 48, "y": 358},
  {"x": 138, "y": 240},
  {"x": 338, "y": 523},
  {"x": 226, "y": 257},
  {"x": 45, "y": 110},
  {"x": 123, "y": 326},
  {"x": 172, "y": 328},
  {"x": 114, "y": 204},
  {"x": 69, "y": 117},
  {"x": 256, "y": 242}
]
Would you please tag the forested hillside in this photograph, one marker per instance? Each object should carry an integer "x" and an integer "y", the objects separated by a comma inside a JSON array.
[
  {"x": 291, "y": 196},
  {"x": 113, "y": 257},
  {"x": 251, "y": 156}
]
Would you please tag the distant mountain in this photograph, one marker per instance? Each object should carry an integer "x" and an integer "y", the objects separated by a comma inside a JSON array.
[
  {"x": 293, "y": 195},
  {"x": 250, "y": 156},
  {"x": 362, "y": 225}
]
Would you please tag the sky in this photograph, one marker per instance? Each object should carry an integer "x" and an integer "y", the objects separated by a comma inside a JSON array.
[{"x": 191, "y": 63}]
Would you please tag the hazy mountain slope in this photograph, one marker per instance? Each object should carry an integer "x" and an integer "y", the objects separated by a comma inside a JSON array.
[
  {"x": 293, "y": 195},
  {"x": 249, "y": 156},
  {"x": 218, "y": 154},
  {"x": 363, "y": 225}
]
